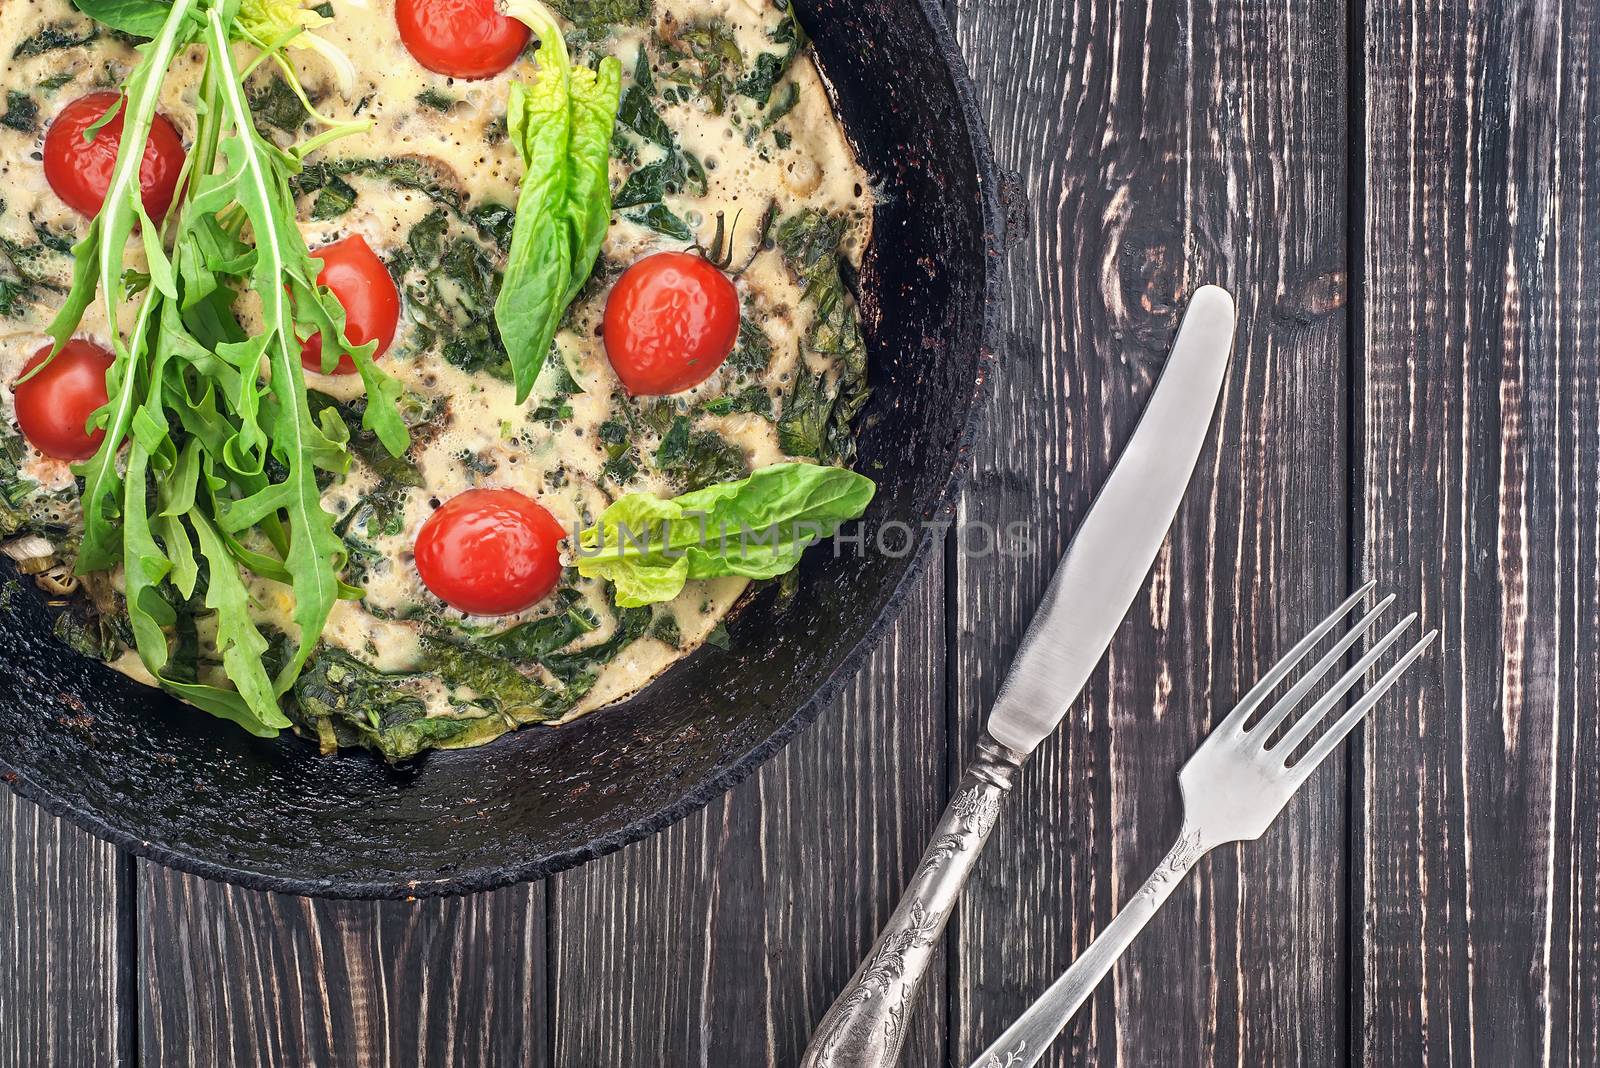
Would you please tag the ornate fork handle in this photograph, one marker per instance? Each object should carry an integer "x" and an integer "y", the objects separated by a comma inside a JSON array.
[
  {"x": 1024, "y": 1042},
  {"x": 866, "y": 1025}
]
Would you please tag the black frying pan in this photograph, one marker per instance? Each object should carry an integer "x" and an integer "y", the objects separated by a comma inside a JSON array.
[{"x": 170, "y": 783}]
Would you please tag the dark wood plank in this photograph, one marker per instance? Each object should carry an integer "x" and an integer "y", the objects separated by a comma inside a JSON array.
[
  {"x": 1163, "y": 146},
  {"x": 59, "y": 960},
  {"x": 723, "y": 940},
  {"x": 235, "y": 977},
  {"x": 1478, "y": 851}
]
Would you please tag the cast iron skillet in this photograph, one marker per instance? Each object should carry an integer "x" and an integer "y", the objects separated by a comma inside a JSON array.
[{"x": 171, "y": 783}]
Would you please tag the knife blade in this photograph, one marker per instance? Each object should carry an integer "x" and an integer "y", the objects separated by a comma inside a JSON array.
[
  {"x": 1090, "y": 593},
  {"x": 1117, "y": 542}
]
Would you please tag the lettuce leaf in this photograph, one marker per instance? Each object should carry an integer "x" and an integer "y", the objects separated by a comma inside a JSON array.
[{"x": 757, "y": 527}]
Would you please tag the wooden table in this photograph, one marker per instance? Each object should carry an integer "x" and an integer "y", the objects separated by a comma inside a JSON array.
[{"x": 1406, "y": 200}]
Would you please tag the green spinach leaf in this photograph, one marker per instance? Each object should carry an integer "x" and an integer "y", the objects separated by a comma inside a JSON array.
[
  {"x": 818, "y": 413},
  {"x": 137, "y": 18},
  {"x": 757, "y": 527},
  {"x": 588, "y": 14},
  {"x": 22, "y": 112},
  {"x": 562, "y": 126},
  {"x": 54, "y": 36}
]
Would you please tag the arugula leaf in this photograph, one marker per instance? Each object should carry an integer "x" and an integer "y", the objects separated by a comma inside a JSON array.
[
  {"x": 217, "y": 451},
  {"x": 757, "y": 527},
  {"x": 238, "y": 638},
  {"x": 254, "y": 178},
  {"x": 98, "y": 264},
  {"x": 562, "y": 127}
]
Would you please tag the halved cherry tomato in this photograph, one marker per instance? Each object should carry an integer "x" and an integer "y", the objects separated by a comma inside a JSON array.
[
  {"x": 366, "y": 290},
  {"x": 461, "y": 38},
  {"x": 54, "y": 405},
  {"x": 490, "y": 552},
  {"x": 80, "y": 171},
  {"x": 671, "y": 319}
]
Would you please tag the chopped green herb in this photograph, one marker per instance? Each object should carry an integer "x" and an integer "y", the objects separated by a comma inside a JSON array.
[
  {"x": 693, "y": 459},
  {"x": 64, "y": 33},
  {"x": 752, "y": 353},
  {"x": 22, "y": 112},
  {"x": 753, "y": 400},
  {"x": 589, "y": 14},
  {"x": 818, "y": 416},
  {"x": 495, "y": 222},
  {"x": 452, "y": 296},
  {"x": 661, "y": 219},
  {"x": 438, "y": 101},
  {"x": 716, "y": 61},
  {"x": 758, "y": 83},
  {"x": 276, "y": 104},
  {"x": 785, "y": 104},
  {"x": 346, "y": 702},
  {"x": 665, "y": 629},
  {"x": 333, "y": 200},
  {"x": 636, "y": 111}
]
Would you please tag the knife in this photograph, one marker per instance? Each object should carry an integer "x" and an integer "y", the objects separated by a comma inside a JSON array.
[{"x": 1094, "y": 585}]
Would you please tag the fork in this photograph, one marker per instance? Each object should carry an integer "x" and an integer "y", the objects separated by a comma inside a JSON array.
[{"x": 1233, "y": 788}]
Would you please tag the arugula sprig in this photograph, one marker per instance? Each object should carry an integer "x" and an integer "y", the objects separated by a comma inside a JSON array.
[{"x": 230, "y": 461}]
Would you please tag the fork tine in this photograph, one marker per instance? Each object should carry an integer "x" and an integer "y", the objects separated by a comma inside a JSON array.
[
  {"x": 1307, "y": 723},
  {"x": 1291, "y": 700},
  {"x": 1258, "y": 693},
  {"x": 1347, "y": 722}
]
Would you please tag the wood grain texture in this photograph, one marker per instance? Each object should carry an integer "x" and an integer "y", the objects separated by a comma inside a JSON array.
[
  {"x": 1431, "y": 901},
  {"x": 59, "y": 895},
  {"x": 723, "y": 940},
  {"x": 240, "y": 978},
  {"x": 1479, "y": 460},
  {"x": 1161, "y": 146}
]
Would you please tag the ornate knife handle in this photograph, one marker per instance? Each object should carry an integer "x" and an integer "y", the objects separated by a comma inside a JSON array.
[{"x": 866, "y": 1025}]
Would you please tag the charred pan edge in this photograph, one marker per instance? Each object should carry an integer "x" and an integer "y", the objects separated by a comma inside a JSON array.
[{"x": 713, "y": 786}]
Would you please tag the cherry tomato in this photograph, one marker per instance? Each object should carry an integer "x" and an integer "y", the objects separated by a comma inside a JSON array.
[
  {"x": 54, "y": 405},
  {"x": 366, "y": 290},
  {"x": 80, "y": 171},
  {"x": 461, "y": 38},
  {"x": 671, "y": 319},
  {"x": 490, "y": 552}
]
